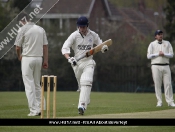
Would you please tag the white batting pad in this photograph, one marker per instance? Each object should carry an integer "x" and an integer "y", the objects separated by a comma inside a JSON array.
[{"x": 84, "y": 96}]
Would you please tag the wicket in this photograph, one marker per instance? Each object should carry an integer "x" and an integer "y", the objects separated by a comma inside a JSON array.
[{"x": 48, "y": 95}]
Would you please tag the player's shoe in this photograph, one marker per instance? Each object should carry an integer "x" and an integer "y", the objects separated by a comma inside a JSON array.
[
  {"x": 33, "y": 114},
  {"x": 159, "y": 105},
  {"x": 81, "y": 110},
  {"x": 171, "y": 104}
]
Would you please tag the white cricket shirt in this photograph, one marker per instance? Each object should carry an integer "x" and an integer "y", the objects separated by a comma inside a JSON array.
[
  {"x": 80, "y": 43},
  {"x": 153, "y": 52},
  {"x": 31, "y": 38}
]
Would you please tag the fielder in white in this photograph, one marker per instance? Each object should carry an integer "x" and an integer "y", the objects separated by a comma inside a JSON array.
[
  {"x": 32, "y": 40},
  {"x": 159, "y": 51},
  {"x": 81, "y": 41}
]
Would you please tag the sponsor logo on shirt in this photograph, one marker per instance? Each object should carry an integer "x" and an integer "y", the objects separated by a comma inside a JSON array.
[{"x": 84, "y": 47}]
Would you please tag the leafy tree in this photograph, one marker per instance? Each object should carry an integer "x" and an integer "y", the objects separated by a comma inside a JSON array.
[
  {"x": 20, "y": 4},
  {"x": 170, "y": 17},
  {"x": 4, "y": 18},
  {"x": 9, "y": 69}
]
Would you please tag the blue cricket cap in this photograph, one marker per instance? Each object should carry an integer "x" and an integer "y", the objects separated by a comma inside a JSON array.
[{"x": 158, "y": 32}]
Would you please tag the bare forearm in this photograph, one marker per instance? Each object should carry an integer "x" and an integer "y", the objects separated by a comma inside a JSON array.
[
  {"x": 45, "y": 53},
  {"x": 18, "y": 52},
  {"x": 66, "y": 56},
  {"x": 45, "y": 57}
]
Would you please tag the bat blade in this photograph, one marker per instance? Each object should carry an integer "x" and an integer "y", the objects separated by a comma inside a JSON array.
[{"x": 98, "y": 48}]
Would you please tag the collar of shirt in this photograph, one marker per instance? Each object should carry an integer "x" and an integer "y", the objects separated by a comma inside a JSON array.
[
  {"x": 159, "y": 41},
  {"x": 88, "y": 31}
]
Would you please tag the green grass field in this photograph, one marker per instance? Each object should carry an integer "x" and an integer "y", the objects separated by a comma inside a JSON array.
[{"x": 14, "y": 105}]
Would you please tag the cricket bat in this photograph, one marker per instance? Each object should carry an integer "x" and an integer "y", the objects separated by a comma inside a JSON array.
[{"x": 96, "y": 49}]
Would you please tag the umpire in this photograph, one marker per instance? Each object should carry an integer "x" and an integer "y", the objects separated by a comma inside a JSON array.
[{"x": 159, "y": 51}]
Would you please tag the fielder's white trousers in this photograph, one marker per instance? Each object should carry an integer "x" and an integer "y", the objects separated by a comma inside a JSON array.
[
  {"x": 162, "y": 73},
  {"x": 84, "y": 71},
  {"x": 31, "y": 73}
]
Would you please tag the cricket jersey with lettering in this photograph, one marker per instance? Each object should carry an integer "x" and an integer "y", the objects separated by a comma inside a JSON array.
[{"x": 81, "y": 43}]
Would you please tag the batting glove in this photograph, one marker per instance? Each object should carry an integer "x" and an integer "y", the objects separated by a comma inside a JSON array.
[
  {"x": 104, "y": 48},
  {"x": 72, "y": 60}
]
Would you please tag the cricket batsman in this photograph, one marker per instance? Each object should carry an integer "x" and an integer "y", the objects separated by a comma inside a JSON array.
[{"x": 81, "y": 41}]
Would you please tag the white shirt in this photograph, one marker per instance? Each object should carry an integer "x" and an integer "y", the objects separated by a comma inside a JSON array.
[
  {"x": 80, "y": 43},
  {"x": 31, "y": 38},
  {"x": 153, "y": 52}
]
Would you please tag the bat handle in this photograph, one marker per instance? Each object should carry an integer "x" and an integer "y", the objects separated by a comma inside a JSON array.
[{"x": 80, "y": 58}]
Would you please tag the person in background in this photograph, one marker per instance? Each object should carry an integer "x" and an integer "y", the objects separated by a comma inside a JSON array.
[{"x": 160, "y": 51}]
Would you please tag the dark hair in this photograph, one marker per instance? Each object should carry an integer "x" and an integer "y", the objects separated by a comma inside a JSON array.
[{"x": 23, "y": 16}]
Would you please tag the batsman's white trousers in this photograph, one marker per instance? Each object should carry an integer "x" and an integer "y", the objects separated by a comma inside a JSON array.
[
  {"x": 162, "y": 73},
  {"x": 84, "y": 71},
  {"x": 31, "y": 73}
]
